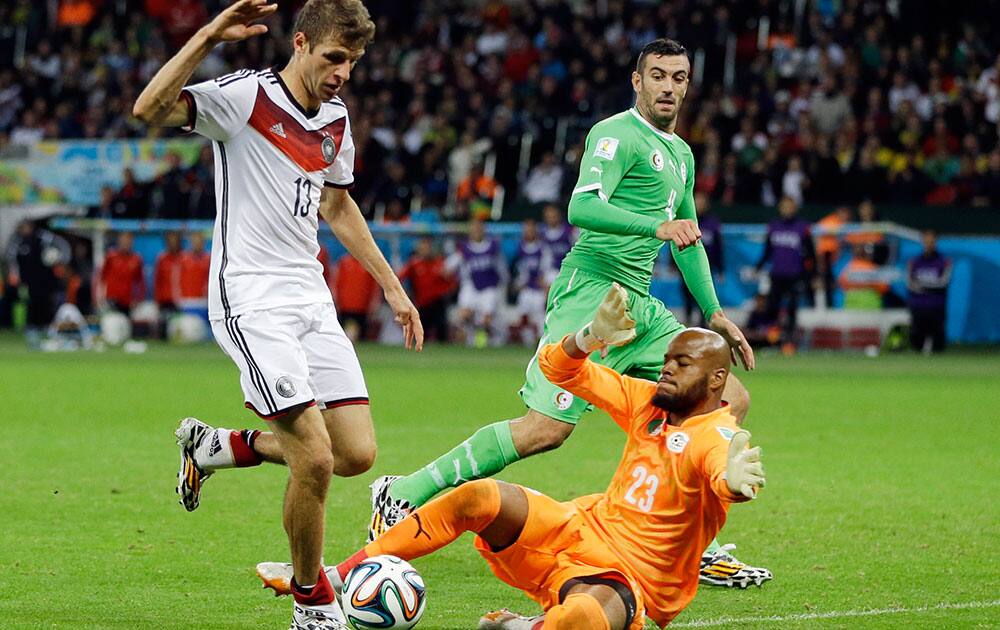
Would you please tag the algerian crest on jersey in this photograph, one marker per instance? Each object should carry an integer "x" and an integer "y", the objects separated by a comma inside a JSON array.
[
  {"x": 606, "y": 148},
  {"x": 684, "y": 173},
  {"x": 656, "y": 160},
  {"x": 677, "y": 441}
]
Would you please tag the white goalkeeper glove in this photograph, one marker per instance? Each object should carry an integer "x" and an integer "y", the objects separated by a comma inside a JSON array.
[
  {"x": 612, "y": 324},
  {"x": 744, "y": 471}
]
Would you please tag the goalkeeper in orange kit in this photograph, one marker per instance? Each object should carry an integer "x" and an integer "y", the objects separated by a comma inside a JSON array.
[{"x": 606, "y": 560}]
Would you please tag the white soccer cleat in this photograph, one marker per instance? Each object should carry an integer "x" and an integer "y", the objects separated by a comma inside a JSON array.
[
  {"x": 325, "y": 617},
  {"x": 721, "y": 568},
  {"x": 191, "y": 477},
  {"x": 504, "y": 619},
  {"x": 277, "y": 576},
  {"x": 386, "y": 511}
]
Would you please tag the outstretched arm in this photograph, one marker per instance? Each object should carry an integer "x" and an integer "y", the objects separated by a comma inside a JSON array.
[
  {"x": 565, "y": 363},
  {"x": 735, "y": 472},
  {"x": 349, "y": 226},
  {"x": 160, "y": 103}
]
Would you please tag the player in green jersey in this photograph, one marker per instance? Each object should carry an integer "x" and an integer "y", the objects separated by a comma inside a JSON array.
[{"x": 634, "y": 194}]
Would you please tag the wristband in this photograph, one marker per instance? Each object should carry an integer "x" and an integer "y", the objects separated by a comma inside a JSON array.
[{"x": 587, "y": 342}]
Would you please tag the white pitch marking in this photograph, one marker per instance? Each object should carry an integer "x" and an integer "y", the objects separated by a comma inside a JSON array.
[{"x": 836, "y": 614}]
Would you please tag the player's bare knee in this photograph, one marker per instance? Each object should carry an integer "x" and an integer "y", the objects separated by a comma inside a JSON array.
[
  {"x": 314, "y": 470},
  {"x": 738, "y": 397},
  {"x": 537, "y": 433},
  {"x": 356, "y": 462}
]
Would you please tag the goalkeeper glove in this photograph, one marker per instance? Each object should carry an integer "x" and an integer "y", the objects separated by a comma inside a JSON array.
[
  {"x": 612, "y": 324},
  {"x": 744, "y": 471}
]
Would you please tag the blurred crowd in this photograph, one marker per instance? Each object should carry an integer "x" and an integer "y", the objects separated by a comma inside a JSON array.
[{"x": 458, "y": 102}]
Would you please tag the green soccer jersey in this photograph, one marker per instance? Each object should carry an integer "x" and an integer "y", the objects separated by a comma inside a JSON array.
[{"x": 644, "y": 172}]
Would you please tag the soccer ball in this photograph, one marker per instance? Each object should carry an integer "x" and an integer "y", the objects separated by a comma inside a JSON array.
[
  {"x": 116, "y": 328},
  {"x": 186, "y": 329},
  {"x": 384, "y": 592}
]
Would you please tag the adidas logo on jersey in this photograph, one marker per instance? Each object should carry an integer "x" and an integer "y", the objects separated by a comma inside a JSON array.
[{"x": 278, "y": 130}]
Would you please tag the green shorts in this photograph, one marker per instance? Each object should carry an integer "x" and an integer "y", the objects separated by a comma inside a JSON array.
[{"x": 573, "y": 298}]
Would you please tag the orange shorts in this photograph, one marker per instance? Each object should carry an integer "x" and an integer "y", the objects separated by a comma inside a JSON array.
[{"x": 556, "y": 546}]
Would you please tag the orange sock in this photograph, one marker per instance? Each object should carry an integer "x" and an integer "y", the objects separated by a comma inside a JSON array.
[
  {"x": 470, "y": 507},
  {"x": 577, "y": 612}
]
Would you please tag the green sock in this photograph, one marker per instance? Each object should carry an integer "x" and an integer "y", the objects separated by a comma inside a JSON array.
[
  {"x": 488, "y": 451},
  {"x": 713, "y": 546}
]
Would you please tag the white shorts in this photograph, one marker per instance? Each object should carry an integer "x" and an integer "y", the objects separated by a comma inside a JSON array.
[
  {"x": 531, "y": 304},
  {"x": 292, "y": 356},
  {"x": 481, "y": 302}
]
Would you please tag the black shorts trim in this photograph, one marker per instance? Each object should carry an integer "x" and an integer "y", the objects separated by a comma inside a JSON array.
[
  {"x": 280, "y": 412},
  {"x": 343, "y": 402},
  {"x": 616, "y": 581},
  {"x": 256, "y": 374}
]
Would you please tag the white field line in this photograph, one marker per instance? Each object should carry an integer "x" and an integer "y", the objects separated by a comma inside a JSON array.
[{"x": 835, "y": 614}]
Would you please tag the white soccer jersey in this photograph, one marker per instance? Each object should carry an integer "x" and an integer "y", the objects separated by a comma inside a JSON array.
[{"x": 271, "y": 162}]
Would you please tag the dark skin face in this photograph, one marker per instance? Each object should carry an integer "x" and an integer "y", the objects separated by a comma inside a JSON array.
[
  {"x": 694, "y": 374},
  {"x": 660, "y": 89}
]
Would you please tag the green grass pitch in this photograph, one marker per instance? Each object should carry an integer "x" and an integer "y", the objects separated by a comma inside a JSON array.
[{"x": 882, "y": 496}]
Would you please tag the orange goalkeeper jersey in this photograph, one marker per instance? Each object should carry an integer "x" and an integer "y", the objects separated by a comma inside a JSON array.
[{"x": 668, "y": 498}]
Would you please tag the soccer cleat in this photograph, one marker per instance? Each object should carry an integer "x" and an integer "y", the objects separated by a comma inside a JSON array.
[
  {"x": 277, "y": 576},
  {"x": 325, "y": 617},
  {"x": 386, "y": 511},
  {"x": 722, "y": 569},
  {"x": 504, "y": 619},
  {"x": 191, "y": 477}
]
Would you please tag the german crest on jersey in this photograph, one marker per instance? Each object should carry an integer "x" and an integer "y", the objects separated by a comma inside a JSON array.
[{"x": 329, "y": 149}]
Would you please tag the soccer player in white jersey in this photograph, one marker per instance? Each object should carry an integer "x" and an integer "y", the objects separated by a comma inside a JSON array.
[{"x": 283, "y": 158}]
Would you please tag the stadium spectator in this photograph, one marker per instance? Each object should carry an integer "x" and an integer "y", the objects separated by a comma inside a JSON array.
[
  {"x": 169, "y": 193},
  {"x": 792, "y": 256},
  {"x": 482, "y": 271},
  {"x": 711, "y": 238},
  {"x": 167, "y": 277},
  {"x": 439, "y": 95},
  {"x": 194, "y": 264},
  {"x": 544, "y": 183},
  {"x": 357, "y": 296},
  {"x": 123, "y": 283},
  {"x": 477, "y": 190},
  {"x": 928, "y": 276},
  {"x": 431, "y": 287}
]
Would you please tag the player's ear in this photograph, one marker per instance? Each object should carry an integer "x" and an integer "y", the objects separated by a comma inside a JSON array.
[
  {"x": 717, "y": 379},
  {"x": 300, "y": 42},
  {"x": 636, "y": 81}
]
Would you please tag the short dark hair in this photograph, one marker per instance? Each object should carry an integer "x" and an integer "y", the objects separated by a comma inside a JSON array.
[
  {"x": 660, "y": 47},
  {"x": 348, "y": 21}
]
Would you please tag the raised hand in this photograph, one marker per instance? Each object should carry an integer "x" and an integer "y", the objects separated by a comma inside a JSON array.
[
  {"x": 613, "y": 325},
  {"x": 744, "y": 471},
  {"x": 236, "y": 23},
  {"x": 406, "y": 315},
  {"x": 735, "y": 338}
]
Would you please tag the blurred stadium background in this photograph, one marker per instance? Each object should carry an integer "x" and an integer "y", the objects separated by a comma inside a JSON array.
[{"x": 877, "y": 119}]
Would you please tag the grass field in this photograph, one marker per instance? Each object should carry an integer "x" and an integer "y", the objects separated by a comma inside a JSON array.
[{"x": 881, "y": 508}]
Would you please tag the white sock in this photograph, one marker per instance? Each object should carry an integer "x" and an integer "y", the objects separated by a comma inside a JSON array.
[{"x": 215, "y": 451}]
